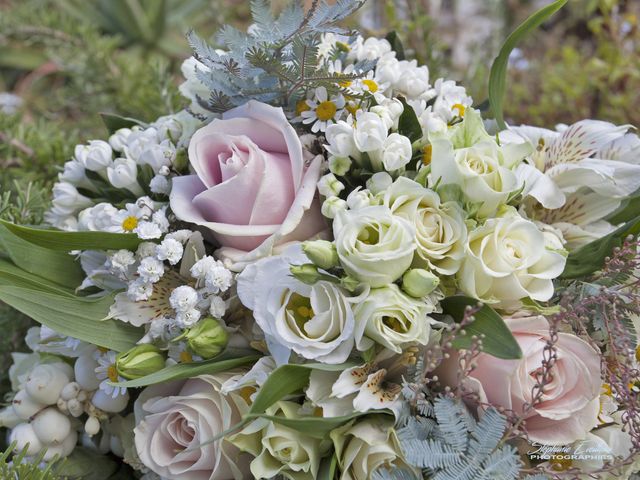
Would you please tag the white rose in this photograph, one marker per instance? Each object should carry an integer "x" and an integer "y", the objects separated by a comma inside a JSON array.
[
  {"x": 370, "y": 132},
  {"x": 507, "y": 259},
  {"x": 441, "y": 232},
  {"x": 365, "y": 446},
  {"x": 392, "y": 319},
  {"x": 123, "y": 174},
  {"x": 396, "y": 152},
  {"x": 96, "y": 156},
  {"x": 340, "y": 139},
  {"x": 314, "y": 321},
  {"x": 175, "y": 421},
  {"x": 374, "y": 245},
  {"x": 483, "y": 171}
]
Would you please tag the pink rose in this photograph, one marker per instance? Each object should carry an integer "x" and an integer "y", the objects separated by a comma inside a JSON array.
[
  {"x": 251, "y": 187},
  {"x": 173, "y": 422},
  {"x": 570, "y": 403}
]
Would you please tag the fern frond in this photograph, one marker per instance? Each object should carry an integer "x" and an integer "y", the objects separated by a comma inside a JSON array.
[
  {"x": 452, "y": 422},
  {"x": 502, "y": 464},
  {"x": 488, "y": 433},
  {"x": 430, "y": 454}
]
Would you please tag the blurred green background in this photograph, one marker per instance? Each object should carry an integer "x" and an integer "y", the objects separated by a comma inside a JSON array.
[{"x": 64, "y": 61}]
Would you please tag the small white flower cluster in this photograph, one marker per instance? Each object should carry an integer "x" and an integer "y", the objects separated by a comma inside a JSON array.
[{"x": 115, "y": 170}]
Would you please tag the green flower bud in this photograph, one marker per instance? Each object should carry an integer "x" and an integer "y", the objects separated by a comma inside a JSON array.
[
  {"x": 140, "y": 361},
  {"x": 418, "y": 282},
  {"x": 322, "y": 253},
  {"x": 208, "y": 338},
  {"x": 307, "y": 273}
]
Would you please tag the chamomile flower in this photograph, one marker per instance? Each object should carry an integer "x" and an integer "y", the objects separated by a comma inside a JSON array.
[
  {"x": 323, "y": 110},
  {"x": 179, "y": 353},
  {"x": 107, "y": 372}
]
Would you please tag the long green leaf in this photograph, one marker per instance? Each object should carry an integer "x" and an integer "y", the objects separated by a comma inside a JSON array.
[
  {"x": 78, "y": 317},
  {"x": 115, "y": 122},
  {"x": 498, "y": 75},
  {"x": 13, "y": 276},
  {"x": 66, "y": 241},
  {"x": 498, "y": 340},
  {"x": 188, "y": 370},
  {"x": 590, "y": 258},
  {"x": 55, "y": 266}
]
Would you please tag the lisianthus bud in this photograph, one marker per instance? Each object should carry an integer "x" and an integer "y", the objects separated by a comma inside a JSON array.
[
  {"x": 24, "y": 406},
  {"x": 307, "y": 273},
  {"x": 139, "y": 361},
  {"x": 45, "y": 383},
  {"x": 322, "y": 253},
  {"x": 24, "y": 436},
  {"x": 419, "y": 282},
  {"x": 208, "y": 338},
  {"x": 51, "y": 426}
]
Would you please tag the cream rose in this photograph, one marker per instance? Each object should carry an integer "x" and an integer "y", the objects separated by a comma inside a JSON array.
[
  {"x": 175, "y": 420},
  {"x": 392, "y": 319},
  {"x": 374, "y": 246},
  {"x": 507, "y": 259},
  {"x": 252, "y": 187},
  {"x": 441, "y": 232},
  {"x": 365, "y": 446},
  {"x": 315, "y": 321},
  {"x": 280, "y": 450}
]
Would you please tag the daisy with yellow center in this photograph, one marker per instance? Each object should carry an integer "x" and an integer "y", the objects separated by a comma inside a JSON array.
[
  {"x": 107, "y": 373},
  {"x": 323, "y": 110}
]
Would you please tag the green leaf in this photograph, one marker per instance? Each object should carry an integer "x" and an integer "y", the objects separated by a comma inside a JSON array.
[
  {"x": 628, "y": 210},
  {"x": 58, "y": 240},
  {"x": 590, "y": 258},
  {"x": 396, "y": 44},
  {"x": 85, "y": 463},
  {"x": 498, "y": 75},
  {"x": 13, "y": 276},
  {"x": 188, "y": 370},
  {"x": 408, "y": 124},
  {"x": 79, "y": 317},
  {"x": 57, "y": 267},
  {"x": 328, "y": 468},
  {"x": 498, "y": 341},
  {"x": 115, "y": 122},
  {"x": 286, "y": 380}
]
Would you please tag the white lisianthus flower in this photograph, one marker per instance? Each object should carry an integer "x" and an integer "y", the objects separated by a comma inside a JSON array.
[
  {"x": 96, "y": 156},
  {"x": 392, "y": 319},
  {"x": 507, "y": 259},
  {"x": 396, "y": 152},
  {"x": 374, "y": 246},
  {"x": 370, "y": 132},
  {"x": 441, "y": 232},
  {"x": 365, "y": 446},
  {"x": 314, "y": 321}
]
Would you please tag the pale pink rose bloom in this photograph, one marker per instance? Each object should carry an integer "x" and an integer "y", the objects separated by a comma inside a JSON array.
[
  {"x": 252, "y": 186},
  {"x": 570, "y": 403},
  {"x": 173, "y": 422}
]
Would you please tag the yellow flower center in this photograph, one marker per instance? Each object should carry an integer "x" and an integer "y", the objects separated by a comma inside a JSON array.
[
  {"x": 130, "y": 223},
  {"x": 345, "y": 83},
  {"x": 112, "y": 373},
  {"x": 300, "y": 308},
  {"x": 427, "y": 151},
  {"x": 560, "y": 464},
  {"x": 369, "y": 235},
  {"x": 326, "y": 110},
  {"x": 302, "y": 106},
  {"x": 352, "y": 108},
  {"x": 394, "y": 324},
  {"x": 638, "y": 353},
  {"x": 186, "y": 357},
  {"x": 606, "y": 389},
  {"x": 246, "y": 392},
  {"x": 343, "y": 47},
  {"x": 371, "y": 85},
  {"x": 461, "y": 109}
]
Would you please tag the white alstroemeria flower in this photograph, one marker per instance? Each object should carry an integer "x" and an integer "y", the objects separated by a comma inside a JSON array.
[
  {"x": 248, "y": 383},
  {"x": 441, "y": 232},
  {"x": 314, "y": 321},
  {"x": 392, "y": 319},
  {"x": 507, "y": 259},
  {"x": 589, "y": 153},
  {"x": 374, "y": 246},
  {"x": 323, "y": 110},
  {"x": 106, "y": 372}
]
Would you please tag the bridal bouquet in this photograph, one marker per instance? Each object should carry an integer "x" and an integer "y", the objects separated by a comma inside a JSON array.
[{"x": 331, "y": 266}]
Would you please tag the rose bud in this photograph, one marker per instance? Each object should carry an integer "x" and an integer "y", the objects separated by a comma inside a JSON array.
[
  {"x": 208, "y": 338},
  {"x": 51, "y": 426},
  {"x": 24, "y": 436},
  {"x": 24, "y": 406},
  {"x": 45, "y": 383},
  {"x": 107, "y": 403},
  {"x": 140, "y": 361},
  {"x": 322, "y": 253},
  {"x": 418, "y": 282}
]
